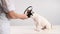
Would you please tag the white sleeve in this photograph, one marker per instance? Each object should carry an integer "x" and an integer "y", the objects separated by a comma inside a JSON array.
[{"x": 10, "y": 5}]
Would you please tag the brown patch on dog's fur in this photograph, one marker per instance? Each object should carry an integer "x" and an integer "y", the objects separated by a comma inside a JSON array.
[{"x": 44, "y": 28}]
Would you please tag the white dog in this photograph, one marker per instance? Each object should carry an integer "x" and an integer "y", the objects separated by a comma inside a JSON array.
[{"x": 40, "y": 22}]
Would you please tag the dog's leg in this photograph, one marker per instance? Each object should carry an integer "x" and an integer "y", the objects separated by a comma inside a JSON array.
[
  {"x": 38, "y": 27},
  {"x": 44, "y": 28},
  {"x": 48, "y": 27}
]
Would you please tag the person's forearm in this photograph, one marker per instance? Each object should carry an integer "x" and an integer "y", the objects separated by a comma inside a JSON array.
[
  {"x": 13, "y": 15},
  {"x": 21, "y": 16}
]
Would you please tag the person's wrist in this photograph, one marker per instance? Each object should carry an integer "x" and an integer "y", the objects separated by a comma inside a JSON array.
[{"x": 23, "y": 16}]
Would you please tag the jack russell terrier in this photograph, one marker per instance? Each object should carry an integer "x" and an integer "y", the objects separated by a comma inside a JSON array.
[{"x": 41, "y": 23}]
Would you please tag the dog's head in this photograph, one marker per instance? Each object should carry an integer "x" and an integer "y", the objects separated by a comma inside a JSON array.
[{"x": 29, "y": 11}]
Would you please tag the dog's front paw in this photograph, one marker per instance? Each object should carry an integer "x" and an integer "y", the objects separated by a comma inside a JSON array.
[{"x": 37, "y": 30}]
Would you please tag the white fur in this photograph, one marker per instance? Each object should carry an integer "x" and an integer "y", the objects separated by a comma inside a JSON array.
[{"x": 40, "y": 22}]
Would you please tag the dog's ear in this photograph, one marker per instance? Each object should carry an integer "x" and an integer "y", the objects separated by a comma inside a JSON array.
[
  {"x": 28, "y": 11},
  {"x": 28, "y": 8}
]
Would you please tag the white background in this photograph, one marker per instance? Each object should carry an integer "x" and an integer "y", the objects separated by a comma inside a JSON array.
[{"x": 49, "y": 9}]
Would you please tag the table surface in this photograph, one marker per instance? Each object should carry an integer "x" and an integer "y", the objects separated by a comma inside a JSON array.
[{"x": 30, "y": 30}]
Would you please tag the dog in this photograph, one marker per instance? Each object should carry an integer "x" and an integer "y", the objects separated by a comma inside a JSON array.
[{"x": 41, "y": 23}]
